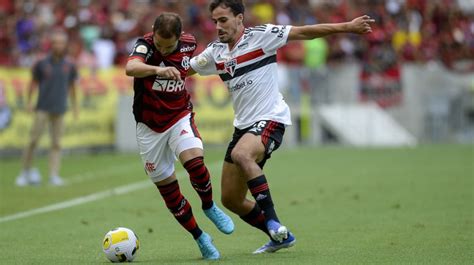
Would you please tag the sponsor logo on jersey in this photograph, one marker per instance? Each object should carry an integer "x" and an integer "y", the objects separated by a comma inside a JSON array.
[
  {"x": 166, "y": 85},
  {"x": 243, "y": 45},
  {"x": 229, "y": 66},
  {"x": 141, "y": 49},
  {"x": 248, "y": 35},
  {"x": 185, "y": 62},
  {"x": 201, "y": 61},
  {"x": 187, "y": 48},
  {"x": 280, "y": 32},
  {"x": 148, "y": 55},
  {"x": 218, "y": 45},
  {"x": 240, "y": 85}
]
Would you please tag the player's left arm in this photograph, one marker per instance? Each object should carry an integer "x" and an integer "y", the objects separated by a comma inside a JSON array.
[
  {"x": 360, "y": 25},
  {"x": 73, "y": 93},
  {"x": 73, "y": 97}
]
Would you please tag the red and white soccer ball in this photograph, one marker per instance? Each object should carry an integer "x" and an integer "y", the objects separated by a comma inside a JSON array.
[{"x": 120, "y": 245}]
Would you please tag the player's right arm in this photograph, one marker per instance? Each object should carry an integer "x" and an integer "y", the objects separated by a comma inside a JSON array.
[
  {"x": 137, "y": 67},
  {"x": 203, "y": 64},
  {"x": 29, "y": 95}
]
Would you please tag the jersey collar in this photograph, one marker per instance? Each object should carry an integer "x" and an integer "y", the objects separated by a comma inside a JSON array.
[{"x": 238, "y": 40}]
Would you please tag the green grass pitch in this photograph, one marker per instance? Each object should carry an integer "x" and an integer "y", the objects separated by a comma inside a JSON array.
[{"x": 344, "y": 205}]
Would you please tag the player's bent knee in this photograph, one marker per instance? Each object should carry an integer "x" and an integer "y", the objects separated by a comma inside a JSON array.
[{"x": 240, "y": 157}]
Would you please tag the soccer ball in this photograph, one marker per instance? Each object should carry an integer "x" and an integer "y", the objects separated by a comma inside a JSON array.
[{"x": 120, "y": 245}]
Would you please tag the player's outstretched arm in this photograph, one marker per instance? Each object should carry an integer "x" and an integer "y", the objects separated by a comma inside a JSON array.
[
  {"x": 360, "y": 25},
  {"x": 137, "y": 68}
]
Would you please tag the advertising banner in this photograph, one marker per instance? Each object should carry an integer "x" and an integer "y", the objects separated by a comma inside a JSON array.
[{"x": 98, "y": 92}]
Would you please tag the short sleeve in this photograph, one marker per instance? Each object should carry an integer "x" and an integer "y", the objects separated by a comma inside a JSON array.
[
  {"x": 204, "y": 63},
  {"x": 140, "y": 50},
  {"x": 274, "y": 37}
]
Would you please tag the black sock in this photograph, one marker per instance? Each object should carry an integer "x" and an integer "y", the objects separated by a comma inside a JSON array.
[
  {"x": 256, "y": 219},
  {"x": 260, "y": 191}
]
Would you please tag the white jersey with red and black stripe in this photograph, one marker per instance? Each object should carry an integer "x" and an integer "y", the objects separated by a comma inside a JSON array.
[
  {"x": 249, "y": 71},
  {"x": 159, "y": 102}
]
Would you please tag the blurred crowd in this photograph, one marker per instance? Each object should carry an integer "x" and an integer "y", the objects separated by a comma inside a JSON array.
[{"x": 103, "y": 31}]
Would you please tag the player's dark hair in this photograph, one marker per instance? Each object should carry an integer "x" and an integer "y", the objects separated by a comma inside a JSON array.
[
  {"x": 167, "y": 25},
  {"x": 236, "y": 6}
]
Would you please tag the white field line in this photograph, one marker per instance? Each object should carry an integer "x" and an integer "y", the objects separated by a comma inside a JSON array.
[
  {"x": 111, "y": 171},
  {"x": 90, "y": 198}
]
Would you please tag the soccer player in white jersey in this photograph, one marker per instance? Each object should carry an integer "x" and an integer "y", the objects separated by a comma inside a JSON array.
[{"x": 245, "y": 59}]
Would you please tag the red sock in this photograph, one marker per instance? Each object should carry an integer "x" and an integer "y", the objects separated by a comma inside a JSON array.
[
  {"x": 180, "y": 207},
  {"x": 200, "y": 179}
]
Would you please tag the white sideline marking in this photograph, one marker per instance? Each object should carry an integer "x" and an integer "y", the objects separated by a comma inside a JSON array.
[
  {"x": 119, "y": 169},
  {"x": 77, "y": 201},
  {"x": 89, "y": 198}
]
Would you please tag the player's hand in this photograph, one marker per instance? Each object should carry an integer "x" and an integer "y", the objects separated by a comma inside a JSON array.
[
  {"x": 168, "y": 73},
  {"x": 361, "y": 25}
]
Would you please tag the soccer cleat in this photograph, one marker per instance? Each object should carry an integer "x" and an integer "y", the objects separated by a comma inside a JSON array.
[
  {"x": 56, "y": 181},
  {"x": 220, "y": 219},
  {"x": 22, "y": 180},
  {"x": 273, "y": 246},
  {"x": 208, "y": 250},
  {"x": 34, "y": 177},
  {"x": 277, "y": 231},
  {"x": 28, "y": 177}
]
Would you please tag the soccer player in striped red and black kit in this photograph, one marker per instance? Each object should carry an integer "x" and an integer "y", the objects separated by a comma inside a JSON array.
[{"x": 159, "y": 64}]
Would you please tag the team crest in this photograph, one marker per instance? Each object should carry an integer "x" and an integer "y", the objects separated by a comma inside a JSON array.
[
  {"x": 229, "y": 66},
  {"x": 185, "y": 62}
]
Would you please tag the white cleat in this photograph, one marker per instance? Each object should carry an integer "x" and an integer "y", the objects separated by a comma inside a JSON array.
[
  {"x": 273, "y": 246},
  {"x": 22, "y": 180},
  {"x": 34, "y": 177},
  {"x": 28, "y": 177},
  {"x": 277, "y": 231},
  {"x": 56, "y": 181}
]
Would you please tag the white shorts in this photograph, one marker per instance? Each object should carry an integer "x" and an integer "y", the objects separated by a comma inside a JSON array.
[{"x": 159, "y": 151}]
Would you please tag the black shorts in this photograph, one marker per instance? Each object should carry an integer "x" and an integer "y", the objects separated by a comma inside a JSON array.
[{"x": 271, "y": 133}]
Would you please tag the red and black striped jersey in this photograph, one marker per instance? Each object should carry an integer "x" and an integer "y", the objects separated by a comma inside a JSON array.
[{"x": 160, "y": 103}]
